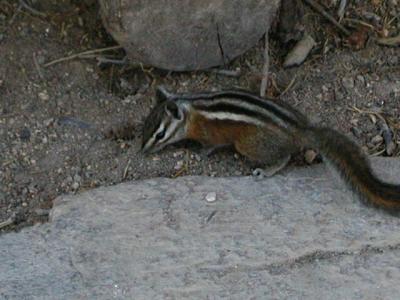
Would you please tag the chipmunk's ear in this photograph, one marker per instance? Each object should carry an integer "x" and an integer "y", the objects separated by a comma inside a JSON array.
[
  {"x": 173, "y": 110},
  {"x": 163, "y": 95}
]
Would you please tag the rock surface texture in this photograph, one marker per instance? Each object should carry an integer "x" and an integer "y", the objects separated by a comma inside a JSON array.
[
  {"x": 187, "y": 35},
  {"x": 298, "y": 235}
]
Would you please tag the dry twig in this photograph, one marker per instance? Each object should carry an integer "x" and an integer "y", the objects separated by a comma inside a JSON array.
[
  {"x": 228, "y": 73},
  {"x": 37, "y": 66},
  {"x": 289, "y": 86},
  {"x": 126, "y": 169},
  {"x": 317, "y": 7},
  {"x": 264, "y": 80},
  {"x": 7, "y": 222},
  {"x": 341, "y": 9},
  {"x": 390, "y": 41},
  {"x": 33, "y": 11},
  {"x": 81, "y": 54}
]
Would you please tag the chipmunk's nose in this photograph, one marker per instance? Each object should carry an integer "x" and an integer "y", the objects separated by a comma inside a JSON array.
[
  {"x": 146, "y": 148},
  {"x": 143, "y": 149}
]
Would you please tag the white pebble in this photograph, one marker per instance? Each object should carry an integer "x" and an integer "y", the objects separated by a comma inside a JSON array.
[
  {"x": 178, "y": 153},
  {"x": 179, "y": 165},
  {"x": 44, "y": 96},
  {"x": 211, "y": 197}
]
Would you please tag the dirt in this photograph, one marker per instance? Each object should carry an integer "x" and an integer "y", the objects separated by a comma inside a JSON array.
[{"x": 53, "y": 119}]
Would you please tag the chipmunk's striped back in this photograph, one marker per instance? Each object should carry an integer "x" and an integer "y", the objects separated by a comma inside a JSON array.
[{"x": 243, "y": 107}]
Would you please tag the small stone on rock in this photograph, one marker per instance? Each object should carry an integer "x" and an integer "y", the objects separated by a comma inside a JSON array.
[{"x": 211, "y": 197}]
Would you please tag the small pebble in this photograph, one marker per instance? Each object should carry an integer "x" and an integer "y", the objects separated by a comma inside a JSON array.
[
  {"x": 393, "y": 60},
  {"x": 348, "y": 83},
  {"x": 360, "y": 79},
  {"x": 178, "y": 153},
  {"x": 40, "y": 59},
  {"x": 179, "y": 165},
  {"x": 377, "y": 139},
  {"x": 197, "y": 157},
  {"x": 395, "y": 93},
  {"x": 211, "y": 197},
  {"x": 299, "y": 53},
  {"x": 44, "y": 96},
  {"x": 48, "y": 122},
  {"x": 310, "y": 155},
  {"x": 75, "y": 185},
  {"x": 354, "y": 122},
  {"x": 42, "y": 212}
]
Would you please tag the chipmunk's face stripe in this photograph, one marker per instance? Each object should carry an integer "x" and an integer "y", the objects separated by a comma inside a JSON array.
[
  {"x": 172, "y": 127},
  {"x": 286, "y": 115},
  {"x": 161, "y": 129},
  {"x": 246, "y": 110}
]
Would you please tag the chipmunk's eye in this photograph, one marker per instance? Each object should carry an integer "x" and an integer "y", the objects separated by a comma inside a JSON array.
[{"x": 160, "y": 135}]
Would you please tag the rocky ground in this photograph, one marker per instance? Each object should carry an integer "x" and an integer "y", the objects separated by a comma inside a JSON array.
[
  {"x": 293, "y": 236},
  {"x": 53, "y": 117}
]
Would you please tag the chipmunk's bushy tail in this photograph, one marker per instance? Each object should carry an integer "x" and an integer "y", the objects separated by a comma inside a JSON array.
[{"x": 347, "y": 158}]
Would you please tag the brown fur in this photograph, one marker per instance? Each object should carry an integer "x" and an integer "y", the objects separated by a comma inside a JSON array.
[
  {"x": 260, "y": 144},
  {"x": 217, "y": 132}
]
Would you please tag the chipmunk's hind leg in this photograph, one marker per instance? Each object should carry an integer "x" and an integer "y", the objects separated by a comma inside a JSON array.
[{"x": 271, "y": 150}]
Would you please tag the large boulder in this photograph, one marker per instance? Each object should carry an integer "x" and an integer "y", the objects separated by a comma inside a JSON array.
[
  {"x": 189, "y": 34},
  {"x": 297, "y": 235}
]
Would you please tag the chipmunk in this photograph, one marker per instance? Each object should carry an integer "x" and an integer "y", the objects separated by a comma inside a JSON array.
[{"x": 265, "y": 131}]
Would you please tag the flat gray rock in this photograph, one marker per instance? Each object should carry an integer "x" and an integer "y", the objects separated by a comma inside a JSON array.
[
  {"x": 298, "y": 235},
  {"x": 187, "y": 35}
]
